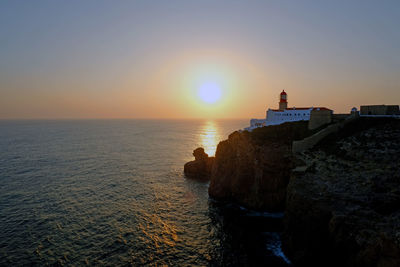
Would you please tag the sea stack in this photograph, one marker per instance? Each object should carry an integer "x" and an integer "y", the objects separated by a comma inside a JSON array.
[{"x": 200, "y": 168}]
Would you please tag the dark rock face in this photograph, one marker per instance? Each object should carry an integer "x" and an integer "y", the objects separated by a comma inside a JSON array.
[
  {"x": 199, "y": 154},
  {"x": 201, "y": 167},
  {"x": 344, "y": 209},
  {"x": 253, "y": 169}
]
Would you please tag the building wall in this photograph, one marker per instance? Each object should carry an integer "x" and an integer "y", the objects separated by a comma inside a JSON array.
[
  {"x": 393, "y": 110},
  {"x": 379, "y": 110},
  {"x": 373, "y": 110},
  {"x": 319, "y": 118},
  {"x": 278, "y": 117},
  {"x": 257, "y": 122}
]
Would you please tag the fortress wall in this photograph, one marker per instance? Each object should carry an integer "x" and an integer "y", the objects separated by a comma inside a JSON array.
[
  {"x": 339, "y": 117},
  {"x": 319, "y": 118},
  {"x": 379, "y": 110},
  {"x": 309, "y": 142},
  {"x": 393, "y": 110},
  {"x": 373, "y": 110}
]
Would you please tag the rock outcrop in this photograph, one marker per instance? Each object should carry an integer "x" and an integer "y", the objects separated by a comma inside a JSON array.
[
  {"x": 201, "y": 167},
  {"x": 343, "y": 207},
  {"x": 253, "y": 168}
]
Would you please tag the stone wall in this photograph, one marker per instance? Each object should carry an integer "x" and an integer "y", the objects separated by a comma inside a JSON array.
[
  {"x": 309, "y": 142},
  {"x": 339, "y": 117},
  {"x": 319, "y": 118},
  {"x": 380, "y": 110}
]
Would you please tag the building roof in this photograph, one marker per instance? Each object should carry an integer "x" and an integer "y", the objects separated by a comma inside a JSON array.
[{"x": 313, "y": 108}]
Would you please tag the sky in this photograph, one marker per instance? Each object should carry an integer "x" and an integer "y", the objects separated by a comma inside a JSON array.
[{"x": 148, "y": 59}]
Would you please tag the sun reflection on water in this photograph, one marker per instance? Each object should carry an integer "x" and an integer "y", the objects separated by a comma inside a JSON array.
[{"x": 209, "y": 137}]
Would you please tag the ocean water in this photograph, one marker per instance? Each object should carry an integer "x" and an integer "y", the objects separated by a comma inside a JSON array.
[{"x": 112, "y": 192}]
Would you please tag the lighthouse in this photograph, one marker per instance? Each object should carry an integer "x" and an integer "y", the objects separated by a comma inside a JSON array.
[
  {"x": 285, "y": 114},
  {"x": 283, "y": 101}
]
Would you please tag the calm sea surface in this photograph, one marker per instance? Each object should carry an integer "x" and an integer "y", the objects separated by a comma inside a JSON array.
[{"x": 112, "y": 192}]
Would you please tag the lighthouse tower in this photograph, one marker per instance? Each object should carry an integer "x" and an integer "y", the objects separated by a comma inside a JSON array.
[{"x": 283, "y": 101}]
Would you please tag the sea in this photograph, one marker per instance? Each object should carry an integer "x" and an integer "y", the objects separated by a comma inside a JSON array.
[{"x": 113, "y": 193}]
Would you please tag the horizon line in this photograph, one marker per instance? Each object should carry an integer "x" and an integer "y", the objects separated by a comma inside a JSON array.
[{"x": 89, "y": 118}]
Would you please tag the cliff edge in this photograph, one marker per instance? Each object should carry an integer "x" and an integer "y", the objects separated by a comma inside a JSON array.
[{"x": 253, "y": 168}]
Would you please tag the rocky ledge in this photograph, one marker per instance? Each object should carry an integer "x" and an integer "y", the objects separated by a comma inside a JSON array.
[
  {"x": 201, "y": 167},
  {"x": 343, "y": 206}
]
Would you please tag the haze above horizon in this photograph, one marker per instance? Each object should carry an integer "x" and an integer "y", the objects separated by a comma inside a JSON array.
[{"x": 194, "y": 59}]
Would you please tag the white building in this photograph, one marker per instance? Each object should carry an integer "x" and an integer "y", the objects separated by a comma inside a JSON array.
[{"x": 283, "y": 114}]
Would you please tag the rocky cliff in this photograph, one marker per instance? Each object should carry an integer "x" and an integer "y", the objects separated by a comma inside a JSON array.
[
  {"x": 253, "y": 168},
  {"x": 200, "y": 168},
  {"x": 343, "y": 206}
]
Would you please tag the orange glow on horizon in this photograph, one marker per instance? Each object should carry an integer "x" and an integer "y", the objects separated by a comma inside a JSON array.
[{"x": 209, "y": 137}]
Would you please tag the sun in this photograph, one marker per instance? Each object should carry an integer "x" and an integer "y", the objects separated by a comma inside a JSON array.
[{"x": 209, "y": 92}]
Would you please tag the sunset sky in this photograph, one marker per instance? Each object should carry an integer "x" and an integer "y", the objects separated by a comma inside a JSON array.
[{"x": 149, "y": 59}]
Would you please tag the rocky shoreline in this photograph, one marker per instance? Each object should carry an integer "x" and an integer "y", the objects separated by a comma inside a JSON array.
[{"x": 341, "y": 199}]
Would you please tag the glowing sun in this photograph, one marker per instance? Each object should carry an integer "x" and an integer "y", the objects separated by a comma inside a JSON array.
[{"x": 209, "y": 93}]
